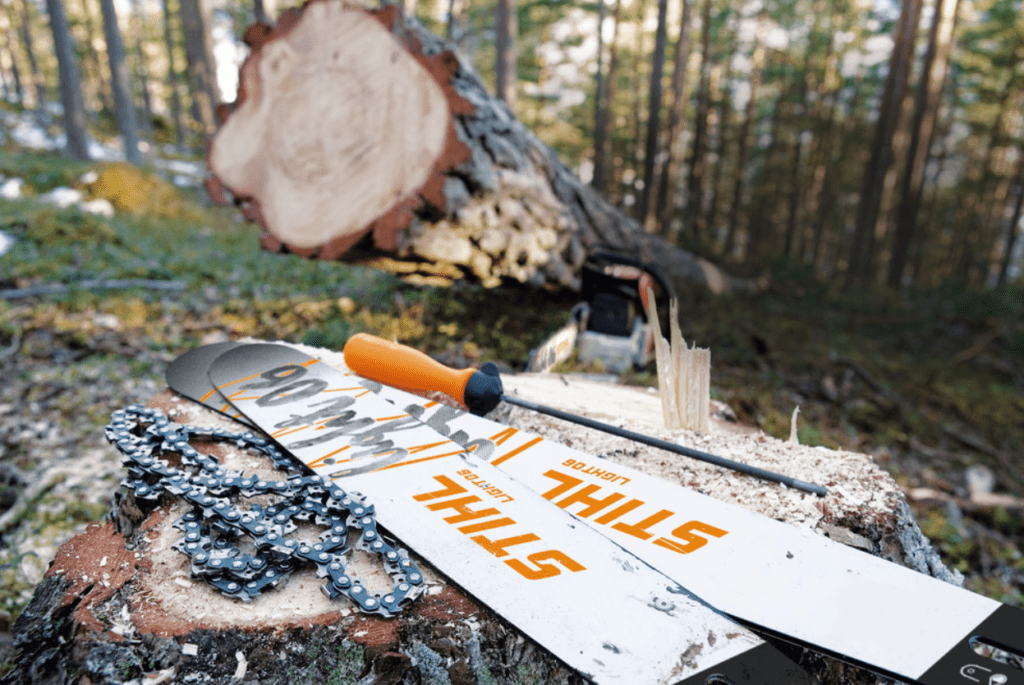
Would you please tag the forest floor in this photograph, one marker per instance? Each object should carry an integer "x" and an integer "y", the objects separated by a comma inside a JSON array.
[{"x": 930, "y": 384}]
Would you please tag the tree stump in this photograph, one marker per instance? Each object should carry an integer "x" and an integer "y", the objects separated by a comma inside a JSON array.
[
  {"x": 119, "y": 605},
  {"x": 361, "y": 134}
]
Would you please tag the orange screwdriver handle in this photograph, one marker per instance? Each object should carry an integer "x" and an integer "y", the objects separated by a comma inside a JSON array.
[{"x": 403, "y": 367}]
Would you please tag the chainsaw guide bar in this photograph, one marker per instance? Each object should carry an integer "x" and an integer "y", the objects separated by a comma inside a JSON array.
[{"x": 456, "y": 487}]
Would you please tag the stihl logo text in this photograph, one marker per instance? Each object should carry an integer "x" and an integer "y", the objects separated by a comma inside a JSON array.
[
  {"x": 453, "y": 500},
  {"x": 607, "y": 507}
]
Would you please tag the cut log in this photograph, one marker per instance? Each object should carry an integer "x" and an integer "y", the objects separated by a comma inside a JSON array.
[
  {"x": 360, "y": 134},
  {"x": 120, "y": 605}
]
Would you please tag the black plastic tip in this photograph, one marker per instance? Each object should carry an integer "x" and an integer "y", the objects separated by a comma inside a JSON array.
[{"x": 483, "y": 389}]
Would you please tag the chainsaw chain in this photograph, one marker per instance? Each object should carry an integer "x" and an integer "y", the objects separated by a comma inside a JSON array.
[{"x": 216, "y": 523}]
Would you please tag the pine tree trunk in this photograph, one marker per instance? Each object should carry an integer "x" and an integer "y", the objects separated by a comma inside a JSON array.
[
  {"x": 976, "y": 217},
  {"x": 100, "y": 95},
  {"x": 695, "y": 186},
  {"x": 723, "y": 95},
  {"x": 831, "y": 185},
  {"x": 801, "y": 122},
  {"x": 4, "y": 85},
  {"x": 646, "y": 211},
  {"x": 1012, "y": 227},
  {"x": 30, "y": 52},
  {"x": 675, "y": 150},
  {"x": 19, "y": 91},
  {"x": 413, "y": 166},
  {"x": 142, "y": 74},
  {"x": 172, "y": 80},
  {"x": 70, "y": 82},
  {"x": 606, "y": 108},
  {"x": 202, "y": 76},
  {"x": 506, "y": 33},
  {"x": 121, "y": 84},
  {"x": 862, "y": 246},
  {"x": 926, "y": 105},
  {"x": 745, "y": 141},
  {"x": 599, "y": 94},
  {"x": 823, "y": 117}
]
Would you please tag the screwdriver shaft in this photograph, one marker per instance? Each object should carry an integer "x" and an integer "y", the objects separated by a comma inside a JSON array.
[{"x": 671, "y": 447}]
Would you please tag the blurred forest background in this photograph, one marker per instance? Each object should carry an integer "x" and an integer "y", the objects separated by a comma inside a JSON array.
[
  {"x": 866, "y": 143},
  {"x": 865, "y": 156}
]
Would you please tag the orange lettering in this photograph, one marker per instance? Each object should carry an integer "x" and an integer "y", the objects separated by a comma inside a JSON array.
[
  {"x": 593, "y": 505},
  {"x": 544, "y": 570},
  {"x": 451, "y": 488},
  {"x": 687, "y": 532},
  {"x": 567, "y": 483},
  {"x": 620, "y": 510},
  {"x": 497, "y": 547},
  {"x": 464, "y": 512},
  {"x": 486, "y": 525},
  {"x": 639, "y": 530}
]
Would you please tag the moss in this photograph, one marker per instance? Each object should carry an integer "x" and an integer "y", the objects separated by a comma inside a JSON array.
[
  {"x": 133, "y": 190},
  {"x": 348, "y": 665}
]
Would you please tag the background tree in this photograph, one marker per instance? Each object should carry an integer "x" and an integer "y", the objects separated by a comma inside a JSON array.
[
  {"x": 172, "y": 79},
  {"x": 70, "y": 82},
  {"x": 922, "y": 123},
  {"x": 120, "y": 82},
  {"x": 506, "y": 30},
  {"x": 675, "y": 146},
  {"x": 21, "y": 9},
  {"x": 199, "y": 57},
  {"x": 863, "y": 243},
  {"x": 646, "y": 210}
]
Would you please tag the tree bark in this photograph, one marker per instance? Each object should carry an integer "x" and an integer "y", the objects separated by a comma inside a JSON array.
[
  {"x": 506, "y": 33},
  {"x": 606, "y": 107},
  {"x": 96, "y": 83},
  {"x": 646, "y": 213},
  {"x": 745, "y": 141},
  {"x": 70, "y": 82},
  {"x": 873, "y": 184},
  {"x": 172, "y": 80},
  {"x": 413, "y": 166},
  {"x": 926, "y": 105},
  {"x": 1012, "y": 226},
  {"x": 202, "y": 77},
  {"x": 695, "y": 186},
  {"x": 976, "y": 211},
  {"x": 15, "y": 73},
  {"x": 675, "y": 150},
  {"x": 142, "y": 74},
  {"x": 599, "y": 88},
  {"x": 30, "y": 52},
  {"x": 724, "y": 96},
  {"x": 121, "y": 84},
  {"x": 801, "y": 121}
]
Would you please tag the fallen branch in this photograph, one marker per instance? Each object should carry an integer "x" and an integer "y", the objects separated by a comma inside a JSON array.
[
  {"x": 866, "y": 376},
  {"x": 978, "y": 503},
  {"x": 90, "y": 284},
  {"x": 974, "y": 442},
  {"x": 40, "y": 485},
  {"x": 12, "y": 349}
]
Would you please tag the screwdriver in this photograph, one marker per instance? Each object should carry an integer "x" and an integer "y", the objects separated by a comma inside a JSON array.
[{"x": 480, "y": 390}]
